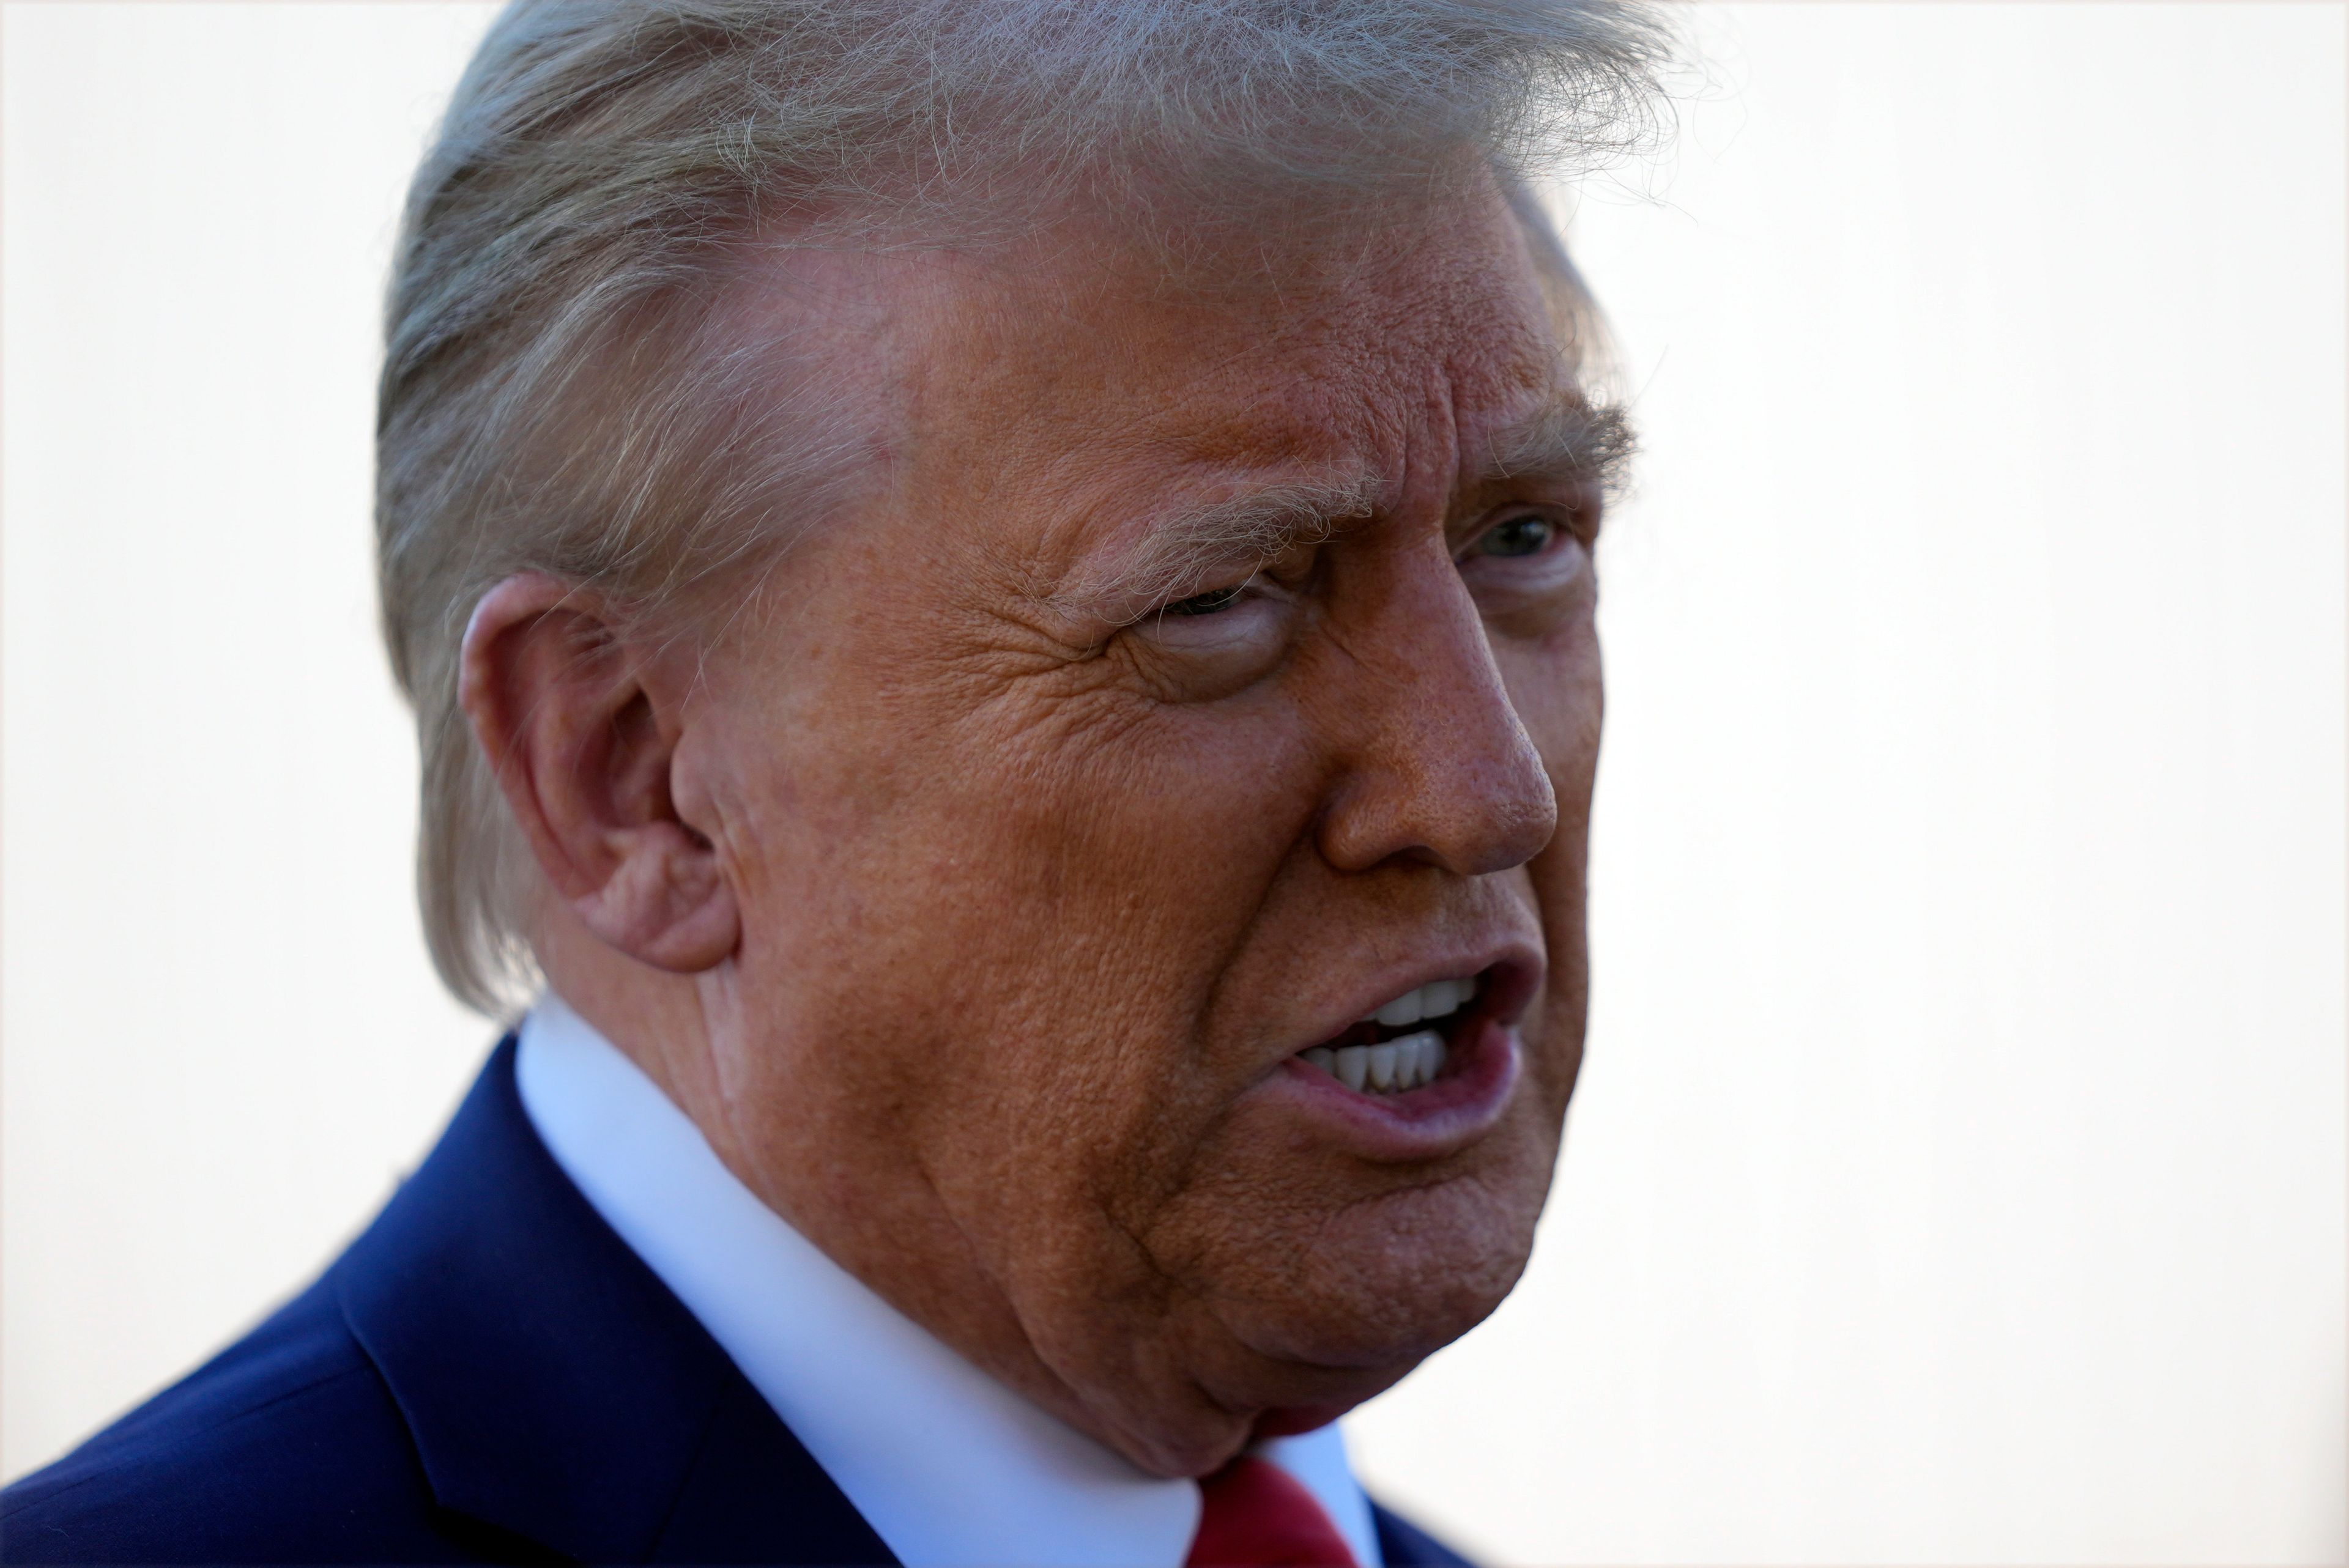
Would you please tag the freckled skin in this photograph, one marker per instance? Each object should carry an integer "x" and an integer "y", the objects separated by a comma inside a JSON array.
[{"x": 1033, "y": 908}]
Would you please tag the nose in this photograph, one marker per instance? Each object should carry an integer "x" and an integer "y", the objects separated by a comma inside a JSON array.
[{"x": 1437, "y": 766}]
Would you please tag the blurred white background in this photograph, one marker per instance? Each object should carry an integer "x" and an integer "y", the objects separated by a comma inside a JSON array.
[{"x": 1959, "y": 1171}]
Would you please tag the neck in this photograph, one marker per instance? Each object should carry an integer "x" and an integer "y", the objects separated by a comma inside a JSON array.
[{"x": 657, "y": 1019}]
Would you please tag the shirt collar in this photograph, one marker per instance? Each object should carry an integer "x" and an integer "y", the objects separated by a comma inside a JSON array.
[{"x": 949, "y": 1467}]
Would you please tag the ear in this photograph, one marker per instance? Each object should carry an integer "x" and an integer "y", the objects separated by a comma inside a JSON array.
[{"x": 564, "y": 706}]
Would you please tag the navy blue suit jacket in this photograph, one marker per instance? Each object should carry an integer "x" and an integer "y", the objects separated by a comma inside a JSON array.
[{"x": 489, "y": 1374}]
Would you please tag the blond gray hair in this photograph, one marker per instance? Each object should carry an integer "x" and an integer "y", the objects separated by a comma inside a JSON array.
[{"x": 553, "y": 399}]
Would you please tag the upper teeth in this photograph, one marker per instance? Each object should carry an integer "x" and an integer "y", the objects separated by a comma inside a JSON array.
[
  {"x": 1433, "y": 1000},
  {"x": 1392, "y": 1067}
]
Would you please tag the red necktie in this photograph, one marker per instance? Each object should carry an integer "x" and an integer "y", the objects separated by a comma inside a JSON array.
[{"x": 1254, "y": 1514}]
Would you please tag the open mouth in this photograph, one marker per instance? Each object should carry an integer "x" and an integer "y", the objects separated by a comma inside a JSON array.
[{"x": 1403, "y": 1046}]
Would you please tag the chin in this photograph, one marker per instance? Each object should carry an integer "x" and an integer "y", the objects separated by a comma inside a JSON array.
[{"x": 1380, "y": 1287}]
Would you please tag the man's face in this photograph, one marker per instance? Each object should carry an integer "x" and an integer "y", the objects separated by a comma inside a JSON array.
[{"x": 1062, "y": 825}]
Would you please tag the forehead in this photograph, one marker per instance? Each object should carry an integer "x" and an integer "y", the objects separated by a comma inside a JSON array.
[{"x": 1373, "y": 342}]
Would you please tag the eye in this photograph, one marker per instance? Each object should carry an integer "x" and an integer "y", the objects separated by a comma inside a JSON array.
[
  {"x": 1517, "y": 537},
  {"x": 1209, "y": 603},
  {"x": 1211, "y": 645},
  {"x": 1531, "y": 562}
]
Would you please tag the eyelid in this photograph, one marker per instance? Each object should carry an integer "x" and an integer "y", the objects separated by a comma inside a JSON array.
[
  {"x": 1259, "y": 582},
  {"x": 1160, "y": 617},
  {"x": 1467, "y": 549},
  {"x": 1576, "y": 519},
  {"x": 1238, "y": 590},
  {"x": 1222, "y": 597}
]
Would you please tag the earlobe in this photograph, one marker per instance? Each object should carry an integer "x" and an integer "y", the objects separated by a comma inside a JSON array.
[{"x": 583, "y": 744}]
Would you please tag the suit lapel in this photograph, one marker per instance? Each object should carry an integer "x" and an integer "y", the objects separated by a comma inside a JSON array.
[
  {"x": 555, "y": 1388},
  {"x": 1406, "y": 1545}
]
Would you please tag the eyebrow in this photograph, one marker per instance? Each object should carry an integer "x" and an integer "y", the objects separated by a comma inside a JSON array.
[
  {"x": 1569, "y": 440},
  {"x": 1183, "y": 550}
]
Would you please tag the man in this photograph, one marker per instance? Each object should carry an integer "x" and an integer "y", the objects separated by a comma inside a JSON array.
[{"x": 1000, "y": 605}]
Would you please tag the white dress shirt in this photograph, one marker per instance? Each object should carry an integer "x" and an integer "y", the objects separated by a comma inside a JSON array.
[{"x": 951, "y": 1469}]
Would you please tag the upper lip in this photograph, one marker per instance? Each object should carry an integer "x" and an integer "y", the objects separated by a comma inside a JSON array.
[{"x": 1508, "y": 990}]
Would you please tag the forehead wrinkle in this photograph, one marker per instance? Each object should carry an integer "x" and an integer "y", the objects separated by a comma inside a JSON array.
[{"x": 1263, "y": 412}]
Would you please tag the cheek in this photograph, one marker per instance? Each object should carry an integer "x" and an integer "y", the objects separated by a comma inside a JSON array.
[
  {"x": 1125, "y": 868},
  {"x": 1006, "y": 923},
  {"x": 1556, "y": 684},
  {"x": 1112, "y": 870}
]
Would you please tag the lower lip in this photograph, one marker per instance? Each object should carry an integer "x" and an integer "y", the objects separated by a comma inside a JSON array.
[{"x": 1456, "y": 1109}]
